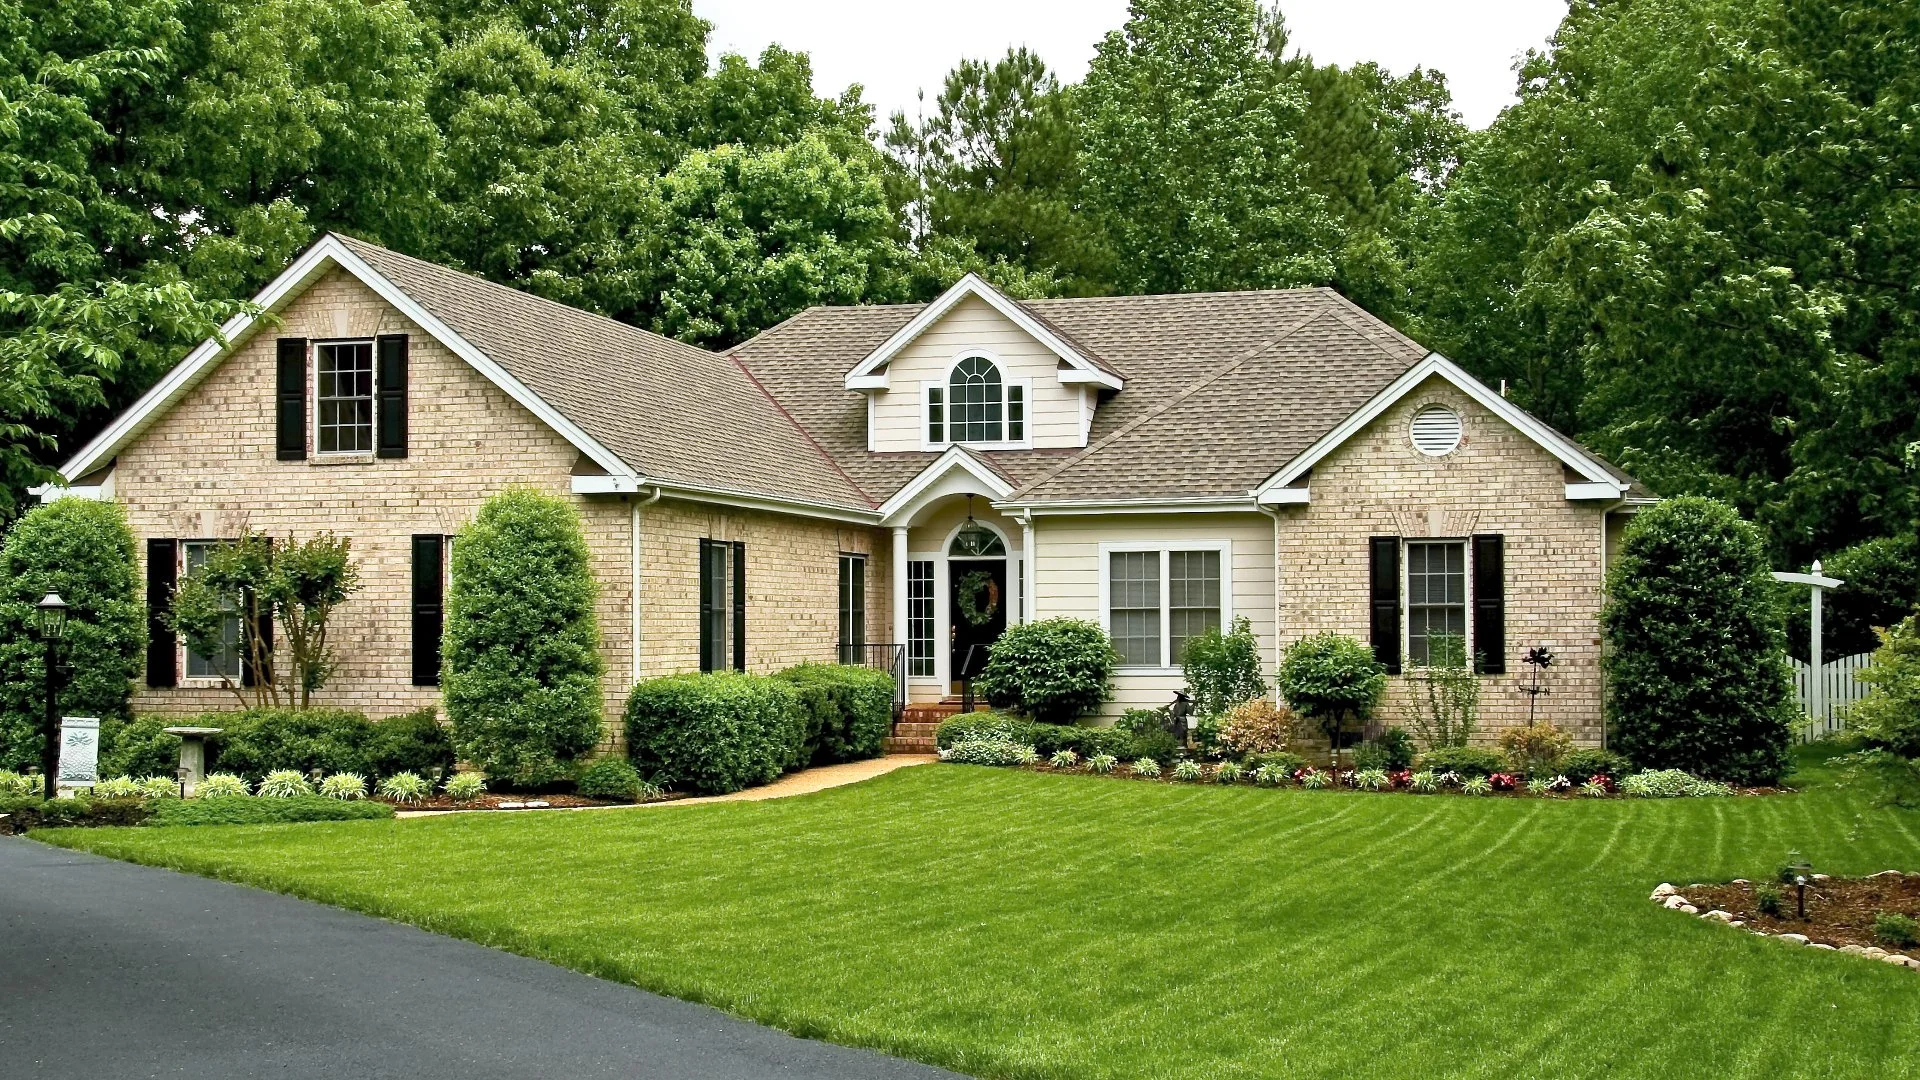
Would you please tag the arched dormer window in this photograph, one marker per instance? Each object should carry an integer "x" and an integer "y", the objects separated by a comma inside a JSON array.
[{"x": 977, "y": 405}]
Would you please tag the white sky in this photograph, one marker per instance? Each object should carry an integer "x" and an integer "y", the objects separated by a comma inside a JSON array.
[{"x": 896, "y": 47}]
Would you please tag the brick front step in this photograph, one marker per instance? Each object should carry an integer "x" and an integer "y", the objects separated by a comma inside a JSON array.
[
  {"x": 914, "y": 732},
  {"x": 910, "y": 746}
]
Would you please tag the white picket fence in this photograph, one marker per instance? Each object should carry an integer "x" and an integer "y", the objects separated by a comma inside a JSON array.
[{"x": 1839, "y": 679}]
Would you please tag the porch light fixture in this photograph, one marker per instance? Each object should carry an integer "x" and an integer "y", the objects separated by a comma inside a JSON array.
[{"x": 50, "y": 617}]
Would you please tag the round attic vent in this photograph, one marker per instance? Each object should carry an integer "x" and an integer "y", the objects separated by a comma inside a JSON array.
[{"x": 1436, "y": 430}]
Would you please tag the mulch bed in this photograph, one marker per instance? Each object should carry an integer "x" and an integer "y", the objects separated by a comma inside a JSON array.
[{"x": 1840, "y": 911}]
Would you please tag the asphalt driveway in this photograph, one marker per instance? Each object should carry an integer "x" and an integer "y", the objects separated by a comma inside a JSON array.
[{"x": 111, "y": 969}]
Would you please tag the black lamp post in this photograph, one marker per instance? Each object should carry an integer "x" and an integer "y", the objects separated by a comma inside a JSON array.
[{"x": 50, "y": 618}]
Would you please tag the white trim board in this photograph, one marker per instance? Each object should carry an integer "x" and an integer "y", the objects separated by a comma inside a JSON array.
[
  {"x": 869, "y": 373},
  {"x": 327, "y": 252},
  {"x": 1596, "y": 482},
  {"x": 906, "y": 501}
]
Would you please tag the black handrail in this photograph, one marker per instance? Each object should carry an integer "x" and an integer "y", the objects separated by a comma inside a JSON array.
[{"x": 881, "y": 656}]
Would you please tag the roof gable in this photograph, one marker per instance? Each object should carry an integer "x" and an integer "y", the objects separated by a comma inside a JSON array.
[
  {"x": 1597, "y": 480},
  {"x": 329, "y": 252},
  {"x": 1080, "y": 366}
]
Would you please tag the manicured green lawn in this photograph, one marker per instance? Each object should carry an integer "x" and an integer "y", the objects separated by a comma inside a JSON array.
[{"x": 1012, "y": 924}]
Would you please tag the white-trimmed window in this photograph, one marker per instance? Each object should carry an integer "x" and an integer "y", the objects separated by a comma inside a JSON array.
[
  {"x": 1156, "y": 597},
  {"x": 343, "y": 396},
  {"x": 853, "y": 608},
  {"x": 1436, "y": 596},
  {"x": 224, "y": 664},
  {"x": 977, "y": 405},
  {"x": 920, "y": 612}
]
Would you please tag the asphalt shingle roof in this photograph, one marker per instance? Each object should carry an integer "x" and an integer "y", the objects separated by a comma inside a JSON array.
[
  {"x": 1221, "y": 388},
  {"x": 673, "y": 412}
]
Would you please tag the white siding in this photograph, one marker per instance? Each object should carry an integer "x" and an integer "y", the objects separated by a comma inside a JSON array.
[
  {"x": 1068, "y": 578},
  {"x": 899, "y": 416}
]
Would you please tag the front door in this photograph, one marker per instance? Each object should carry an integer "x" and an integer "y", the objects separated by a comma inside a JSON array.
[{"x": 977, "y": 605}]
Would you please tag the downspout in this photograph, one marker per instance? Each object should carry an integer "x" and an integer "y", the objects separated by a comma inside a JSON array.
[
  {"x": 1605, "y": 511},
  {"x": 1028, "y": 573},
  {"x": 1275, "y": 515},
  {"x": 633, "y": 629}
]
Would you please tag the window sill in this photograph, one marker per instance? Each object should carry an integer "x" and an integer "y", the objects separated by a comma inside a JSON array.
[
  {"x": 341, "y": 459},
  {"x": 1145, "y": 669}
]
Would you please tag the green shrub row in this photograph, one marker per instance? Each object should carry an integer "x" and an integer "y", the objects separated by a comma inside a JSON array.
[
  {"x": 242, "y": 810},
  {"x": 255, "y": 742},
  {"x": 1046, "y": 739},
  {"x": 720, "y": 732},
  {"x": 19, "y": 814}
]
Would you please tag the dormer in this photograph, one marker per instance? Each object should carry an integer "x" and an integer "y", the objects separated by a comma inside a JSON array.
[{"x": 976, "y": 369}]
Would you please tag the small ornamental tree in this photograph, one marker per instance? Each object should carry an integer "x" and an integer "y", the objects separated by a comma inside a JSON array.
[
  {"x": 84, "y": 551},
  {"x": 1223, "y": 670},
  {"x": 1331, "y": 678},
  {"x": 1697, "y": 675},
  {"x": 296, "y": 586},
  {"x": 522, "y": 648},
  {"x": 1054, "y": 670},
  {"x": 1889, "y": 718}
]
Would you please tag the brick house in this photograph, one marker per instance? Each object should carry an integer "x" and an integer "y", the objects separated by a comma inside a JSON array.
[{"x": 884, "y": 484}]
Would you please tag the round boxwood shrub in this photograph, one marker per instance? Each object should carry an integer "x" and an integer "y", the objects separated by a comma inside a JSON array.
[
  {"x": 415, "y": 742},
  {"x": 522, "y": 650},
  {"x": 715, "y": 733},
  {"x": 1053, "y": 670},
  {"x": 1697, "y": 676},
  {"x": 849, "y": 710},
  {"x": 84, "y": 551},
  {"x": 611, "y": 778},
  {"x": 1330, "y": 677}
]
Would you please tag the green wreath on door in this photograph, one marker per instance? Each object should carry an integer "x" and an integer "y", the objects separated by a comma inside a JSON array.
[{"x": 978, "y": 597}]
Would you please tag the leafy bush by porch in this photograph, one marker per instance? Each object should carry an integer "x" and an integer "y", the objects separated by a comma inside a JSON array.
[
  {"x": 849, "y": 710},
  {"x": 1696, "y": 665},
  {"x": 1889, "y": 718},
  {"x": 1223, "y": 669},
  {"x": 84, "y": 551},
  {"x": 522, "y": 681},
  {"x": 715, "y": 733},
  {"x": 1054, "y": 670},
  {"x": 1331, "y": 678}
]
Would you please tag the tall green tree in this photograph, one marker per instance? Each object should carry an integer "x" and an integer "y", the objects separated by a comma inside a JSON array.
[
  {"x": 996, "y": 167},
  {"x": 1191, "y": 155},
  {"x": 84, "y": 551}
]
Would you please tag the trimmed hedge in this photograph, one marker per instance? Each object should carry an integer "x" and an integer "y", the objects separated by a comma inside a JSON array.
[
  {"x": 1696, "y": 666},
  {"x": 1053, "y": 670},
  {"x": 1465, "y": 760},
  {"x": 715, "y": 733},
  {"x": 849, "y": 710},
  {"x": 611, "y": 778},
  {"x": 523, "y": 666},
  {"x": 80, "y": 811},
  {"x": 258, "y": 741},
  {"x": 243, "y": 810},
  {"x": 138, "y": 747}
]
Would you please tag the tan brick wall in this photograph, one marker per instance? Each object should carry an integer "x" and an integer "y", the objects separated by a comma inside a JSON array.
[
  {"x": 206, "y": 469},
  {"x": 1498, "y": 481}
]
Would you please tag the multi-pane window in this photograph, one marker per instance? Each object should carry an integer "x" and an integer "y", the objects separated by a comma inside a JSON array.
[
  {"x": 343, "y": 397},
  {"x": 853, "y": 608},
  {"x": 936, "y": 415},
  {"x": 1016, "y": 413},
  {"x": 920, "y": 618},
  {"x": 226, "y": 662},
  {"x": 1160, "y": 599},
  {"x": 723, "y": 609},
  {"x": 974, "y": 401},
  {"x": 1134, "y": 606},
  {"x": 1436, "y": 597},
  {"x": 1193, "y": 598}
]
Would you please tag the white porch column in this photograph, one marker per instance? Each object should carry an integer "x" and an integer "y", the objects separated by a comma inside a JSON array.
[
  {"x": 899, "y": 632},
  {"x": 1029, "y": 612}
]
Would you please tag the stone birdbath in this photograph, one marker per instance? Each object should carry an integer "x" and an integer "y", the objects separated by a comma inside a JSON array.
[{"x": 193, "y": 752}]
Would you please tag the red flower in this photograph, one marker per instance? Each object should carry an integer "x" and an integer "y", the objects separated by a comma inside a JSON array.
[
  {"x": 1501, "y": 781},
  {"x": 1401, "y": 778},
  {"x": 1603, "y": 780}
]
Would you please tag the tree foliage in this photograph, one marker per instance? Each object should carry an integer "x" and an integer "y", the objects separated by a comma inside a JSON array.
[
  {"x": 84, "y": 551},
  {"x": 293, "y": 586},
  {"x": 1331, "y": 678},
  {"x": 1223, "y": 669},
  {"x": 523, "y": 666},
  {"x": 1695, "y": 662}
]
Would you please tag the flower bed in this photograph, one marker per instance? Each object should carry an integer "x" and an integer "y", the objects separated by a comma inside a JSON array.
[
  {"x": 1288, "y": 770},
  {"x": 1874, "y": 917}
]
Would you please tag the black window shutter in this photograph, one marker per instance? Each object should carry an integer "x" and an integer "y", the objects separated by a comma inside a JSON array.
[
  {"x": 260, "y": 629},
  {"x": 391, "y": 425},
  {"x": 1490, "y": 603},
  {"x": 1383, "y": 571},
  {"x": 163, "y": 571},
  {"x": 707, "y": 581},
  {"x": 429, "y": 610},
  {"x": 290, "y": 409},
  {"x": 740, "y": 606}
]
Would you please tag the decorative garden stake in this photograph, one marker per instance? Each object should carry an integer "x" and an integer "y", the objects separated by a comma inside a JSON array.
[{"x": 1539, "y": 660}]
